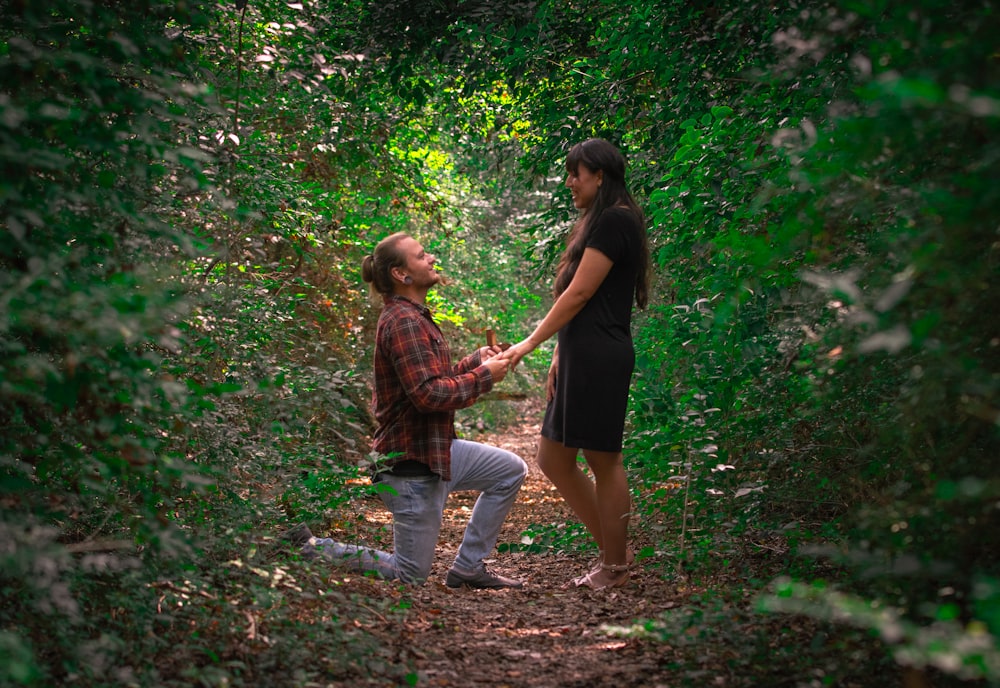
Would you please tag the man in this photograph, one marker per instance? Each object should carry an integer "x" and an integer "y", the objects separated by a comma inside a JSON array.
[{"x": 417, "y": 391}]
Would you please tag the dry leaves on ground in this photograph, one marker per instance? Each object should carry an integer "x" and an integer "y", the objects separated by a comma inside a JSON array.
[{"x": 546, "y": 634}]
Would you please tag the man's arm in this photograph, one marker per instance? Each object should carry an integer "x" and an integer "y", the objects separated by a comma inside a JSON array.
[{"x": 418, "y": 356}]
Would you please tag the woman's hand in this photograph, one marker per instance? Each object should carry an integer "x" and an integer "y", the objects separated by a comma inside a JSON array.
[
  {"x": 515, "y": 353},
  {"x": 550, "y": 384},
  {"x": 488, "y": 352}
]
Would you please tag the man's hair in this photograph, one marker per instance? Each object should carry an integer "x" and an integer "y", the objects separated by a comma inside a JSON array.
[{"x": 376, "y": 268}]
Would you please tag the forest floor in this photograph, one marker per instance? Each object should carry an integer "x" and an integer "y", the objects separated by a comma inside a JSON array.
[
  {"x": 552, "y": 634},
  {"x": 547, "y": 633}
]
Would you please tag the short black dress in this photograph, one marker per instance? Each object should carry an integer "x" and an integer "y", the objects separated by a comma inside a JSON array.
[{"x": 596, "y": 356}]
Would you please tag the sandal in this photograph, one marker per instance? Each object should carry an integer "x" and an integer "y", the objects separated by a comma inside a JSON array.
[
  {"x": 599, "y": 562},
  {"x": 620, "y": 576}
]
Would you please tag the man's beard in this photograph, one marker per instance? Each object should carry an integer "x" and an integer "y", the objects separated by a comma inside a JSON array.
[{"x": 440, "y": 281}]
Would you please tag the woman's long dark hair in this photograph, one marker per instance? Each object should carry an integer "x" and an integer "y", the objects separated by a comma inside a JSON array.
[{"x": 600, "y": 155}]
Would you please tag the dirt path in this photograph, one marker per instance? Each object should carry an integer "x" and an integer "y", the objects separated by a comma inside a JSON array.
[
  {"x": 543, "y": 635},
  {"x": 549, "y": 635}
]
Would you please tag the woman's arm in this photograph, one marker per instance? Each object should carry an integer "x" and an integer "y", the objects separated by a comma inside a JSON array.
[{"x": 594, "y": 267}]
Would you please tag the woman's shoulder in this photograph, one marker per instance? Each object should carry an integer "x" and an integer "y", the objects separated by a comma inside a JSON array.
[
  {"x": 619, "y": 214},
  {"x": 620, "y": 210}
]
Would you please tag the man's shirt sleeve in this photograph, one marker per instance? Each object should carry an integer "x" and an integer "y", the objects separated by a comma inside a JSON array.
[{"x": 422, "y": 362}]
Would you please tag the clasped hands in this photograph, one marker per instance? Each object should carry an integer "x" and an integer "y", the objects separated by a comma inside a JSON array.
[
  {"x": 502, "y": 358},
  {"x": 515, "y": 352}
]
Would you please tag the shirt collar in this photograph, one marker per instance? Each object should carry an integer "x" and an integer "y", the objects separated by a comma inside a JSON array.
[{"x": 403, "y": 299}]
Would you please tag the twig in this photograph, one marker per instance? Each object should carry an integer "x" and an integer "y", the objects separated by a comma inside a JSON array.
[
  {"x": 99, "y": 546},
  {"x": 384, "y": 620},
  {"x": 503, "y": 396},
  {"x": 239, "y": 69},
  {"x": 166, "y": 585}
]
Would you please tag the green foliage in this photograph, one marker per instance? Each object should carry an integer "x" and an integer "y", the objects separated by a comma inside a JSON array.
[
  {"x": 904, "y": 202},
  {"x": 94, "y": 145},
  {"x": 552, "y": 538},
  {"x": 240, "y": 623},
  {"x": 187, "y": 194},
  {"x": 819, "y": 182},
  {"x": 716, "y": 630},
  {"x": 939, "y": 640},
  {"x": 167, "y": 346},
  {"x": 845, "y": 241},
  {"x": 86, "y": 322}
]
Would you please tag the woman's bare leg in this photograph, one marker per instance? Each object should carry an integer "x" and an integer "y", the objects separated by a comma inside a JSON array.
[
  {"x": 614, "y": 505},
  {"x": 558, "y": 463}
]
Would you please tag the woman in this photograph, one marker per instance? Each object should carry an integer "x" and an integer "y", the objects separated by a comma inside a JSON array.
[{"x": 604, "y": 268}]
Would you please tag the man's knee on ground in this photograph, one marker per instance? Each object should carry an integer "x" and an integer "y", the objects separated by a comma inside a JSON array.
[{"x": 413, "y": 575}]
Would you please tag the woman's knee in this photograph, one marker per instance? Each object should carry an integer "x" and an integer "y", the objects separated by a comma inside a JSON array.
[
  {"x": 553, "y": 459},
  {"x": 604, "y": 462}
]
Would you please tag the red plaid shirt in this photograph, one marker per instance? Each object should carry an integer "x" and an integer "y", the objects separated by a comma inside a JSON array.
[{"x": 417, "y": 390}]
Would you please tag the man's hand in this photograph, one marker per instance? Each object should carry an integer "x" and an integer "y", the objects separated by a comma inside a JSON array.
[
  {"x": 498, "y": 367},
  {"x": 490, "y": 356}
]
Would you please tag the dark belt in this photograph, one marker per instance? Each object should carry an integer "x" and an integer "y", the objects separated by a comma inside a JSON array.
[{"x": 408, "y": 468}]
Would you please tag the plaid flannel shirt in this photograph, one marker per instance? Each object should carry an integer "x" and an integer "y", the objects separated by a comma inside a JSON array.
[{"x": 417, "y": 390}]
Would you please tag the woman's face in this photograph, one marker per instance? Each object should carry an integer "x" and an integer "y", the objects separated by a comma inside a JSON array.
[{"x": 583, "y": 184}]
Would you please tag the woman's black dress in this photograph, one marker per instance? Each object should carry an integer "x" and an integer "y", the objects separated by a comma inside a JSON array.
[{"x": 596, "y": 357}]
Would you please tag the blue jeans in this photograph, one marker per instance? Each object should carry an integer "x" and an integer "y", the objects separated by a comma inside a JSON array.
[{"x": 417, "y": 508}]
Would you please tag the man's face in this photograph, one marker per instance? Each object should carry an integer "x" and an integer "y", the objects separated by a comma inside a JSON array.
[{"x": 419, "y": 264}]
